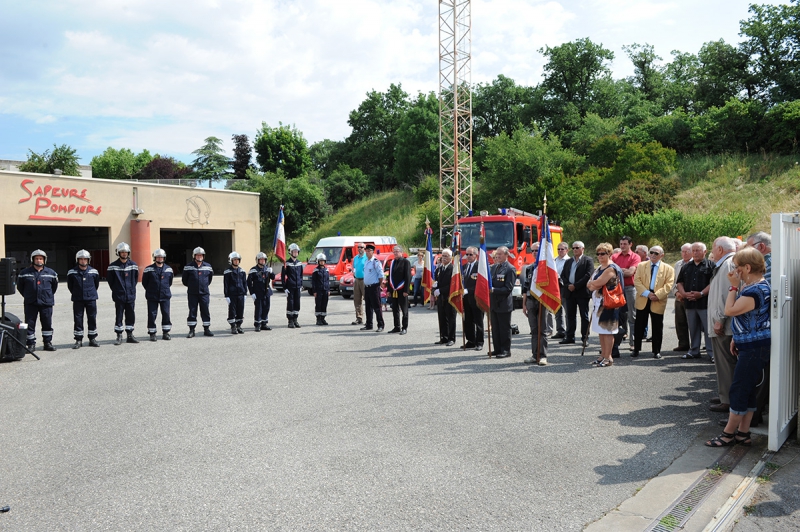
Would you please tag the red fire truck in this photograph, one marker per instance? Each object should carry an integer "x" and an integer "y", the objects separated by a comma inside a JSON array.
[{"x": 517, "y": 230}]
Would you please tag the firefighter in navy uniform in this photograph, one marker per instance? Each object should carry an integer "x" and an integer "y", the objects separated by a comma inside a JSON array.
[
  {"x": 235, "y": 286},
  {"x": 197, "y": 276},
  {"x": 122, "y": 277},
  {"x": 157, "y": 280},
  {"x": 38, "y": 284},
  {"x": 321, "y": 289},
  {"x": 292, "y": 276},
  {"x": 83, "y": 282},
  {"x": 258, "y": 282}
]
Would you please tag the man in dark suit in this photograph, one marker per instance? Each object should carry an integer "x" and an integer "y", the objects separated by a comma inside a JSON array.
[
  {"x": 473, "y": 315},
  {"x": 575, "y": 275},
  {"x": 446, "y": 311},
  {"x": 504, "y": 276},
  {"x": 399, "y": 285}
]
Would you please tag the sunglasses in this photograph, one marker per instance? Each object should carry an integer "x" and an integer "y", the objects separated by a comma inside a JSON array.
[
  {"x": 655, "y": 253},
  {"x": 602, "y": 253},
  {"x": 577, "y": 248},
  {"x": 360, "y": 247},
  {"x": 469, "y": 254}
]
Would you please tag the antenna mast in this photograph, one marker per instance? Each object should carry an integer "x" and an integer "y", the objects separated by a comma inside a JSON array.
[{"x": 455, "y": 113}]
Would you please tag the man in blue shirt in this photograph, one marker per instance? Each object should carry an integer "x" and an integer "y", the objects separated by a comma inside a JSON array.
[
  {"x": 373, "y": 275},
  {"x": 358, "y": 282}
]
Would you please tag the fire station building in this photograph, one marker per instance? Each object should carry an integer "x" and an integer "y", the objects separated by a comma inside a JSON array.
[{"x": 61, "y": 215}]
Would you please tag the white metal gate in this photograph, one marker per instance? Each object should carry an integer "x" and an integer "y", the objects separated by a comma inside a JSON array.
[{"x": 785, "y": 356}]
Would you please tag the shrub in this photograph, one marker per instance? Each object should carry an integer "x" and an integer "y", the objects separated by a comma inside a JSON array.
[
  {"x": 671, "y": 228},
  {"x": 644, "y": 193}
]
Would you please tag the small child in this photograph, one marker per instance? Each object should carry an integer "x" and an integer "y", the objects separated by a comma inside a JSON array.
[{"x": 384, "y": 295}]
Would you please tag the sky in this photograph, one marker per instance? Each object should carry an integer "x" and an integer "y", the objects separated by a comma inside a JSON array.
[{"x": 163, "y": 75}]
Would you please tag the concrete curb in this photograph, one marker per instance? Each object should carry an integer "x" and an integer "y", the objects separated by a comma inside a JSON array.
[{"x": 726, "y": 517}]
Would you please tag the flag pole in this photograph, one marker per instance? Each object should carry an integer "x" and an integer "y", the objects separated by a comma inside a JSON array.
[
  {"x": 541, "y": 306},
  {"x": 461, "y": 295},
  {"x": 488, "y": 314}
]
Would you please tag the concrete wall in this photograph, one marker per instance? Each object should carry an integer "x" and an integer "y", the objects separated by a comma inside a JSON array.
[{"x": 47, "y": 200}]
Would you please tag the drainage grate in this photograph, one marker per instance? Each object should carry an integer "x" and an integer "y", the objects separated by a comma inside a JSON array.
[{"x": 690, "y": 500}]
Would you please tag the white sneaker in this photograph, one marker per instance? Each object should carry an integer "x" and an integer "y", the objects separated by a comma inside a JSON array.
[{"x": 543, "y": 361}]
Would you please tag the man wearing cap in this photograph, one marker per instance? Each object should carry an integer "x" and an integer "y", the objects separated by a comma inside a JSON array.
[
  {"x": 234, "y": 283},
  {"x": 399, "y": 282},
  {"x": 358, "y": 282},
  {"x": 38, "y": 284},
  {"x": 373, "y": 275}
]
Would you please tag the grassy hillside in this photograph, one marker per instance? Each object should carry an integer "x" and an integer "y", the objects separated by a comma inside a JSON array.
[
  {"x": 721, "y": 184},
  {"x": 385, "y": 214}
]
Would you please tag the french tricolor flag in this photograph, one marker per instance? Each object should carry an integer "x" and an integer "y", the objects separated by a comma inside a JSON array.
[
  {"x": 427, "y": 276},
  {"x": 545, "y": 287},
  {"x": 483, "y": 285},
  {"x": 279, "y": 243}
]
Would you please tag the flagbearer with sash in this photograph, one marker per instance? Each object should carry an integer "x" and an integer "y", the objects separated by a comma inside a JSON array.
[
  {"x": 541, "y": 327},
  {"x": 473, "y": 315},
  {"x": 399, "y": 282},
  {"x": 541, "y": 293}
]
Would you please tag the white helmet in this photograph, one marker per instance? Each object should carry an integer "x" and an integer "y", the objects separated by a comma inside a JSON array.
[
  {"x": 322, "y": 257},
  {"x": 122, "y": 247},
  {"x": 199, "y": 251},
  {"x": 261, "y": 255},
  {"x": 83, "y": 254},
  {"x": 232, "y": 256},
  {"x": 294, "y": 247},
  {"x": 159, "y": 253},
  {"x": 39, "y": 253}
]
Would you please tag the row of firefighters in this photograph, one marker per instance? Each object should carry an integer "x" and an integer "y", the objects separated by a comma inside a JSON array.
[{"x": 38, "y": 284}]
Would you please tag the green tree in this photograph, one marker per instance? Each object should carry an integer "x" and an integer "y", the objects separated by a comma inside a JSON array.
[
  {"x": 782, "y": 127},
  {"x": 732, "y": 127},
  {"x": 772, "y": 41},
  {"x": 282, "y": 148},
  {"x": 680, "y": 81},
  {"x": 211, "y": 164},
  {"x": 242, "y": 155},
  {"x": 417, "y": 147},
  {"x": 521, "y": 168},
  {"x": 372, "y": 142},
  {"x": 326, "y": 155},
  {"x": 648, "y": 77},
  {"x": 119, "y": 164},
  {"x": 62, "y": 158},
  {"x": 303, "y": 201},
  {"x": 571, "y": 77},
  {"x": 345, "y": 185},
  {"x": 723, "y": 74},
  {"x": 499, "y": 107}
]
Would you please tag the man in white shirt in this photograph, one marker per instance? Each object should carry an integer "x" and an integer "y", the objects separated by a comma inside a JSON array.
[{"x": 561, "y": 259}]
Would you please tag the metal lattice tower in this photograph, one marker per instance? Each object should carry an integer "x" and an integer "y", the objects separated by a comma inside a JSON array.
[{"x": 455, "y": 113}]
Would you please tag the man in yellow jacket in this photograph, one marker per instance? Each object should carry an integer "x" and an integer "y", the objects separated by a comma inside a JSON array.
[{"x": 653, "y": 281}]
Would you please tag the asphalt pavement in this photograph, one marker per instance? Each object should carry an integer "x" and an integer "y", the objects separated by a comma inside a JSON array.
[{"x": 331, "y": 428}]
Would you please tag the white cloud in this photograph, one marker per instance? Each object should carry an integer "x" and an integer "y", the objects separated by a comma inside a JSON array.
[{"x": 165, "y": 75}]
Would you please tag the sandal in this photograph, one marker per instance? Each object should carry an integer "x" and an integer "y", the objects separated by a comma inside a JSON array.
[
  {"x": 743, "y": 438},
  {"x": 597, "y": 362},
  {"x": 605, "y": 363},
  {"x": 719, "y": 442}
]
